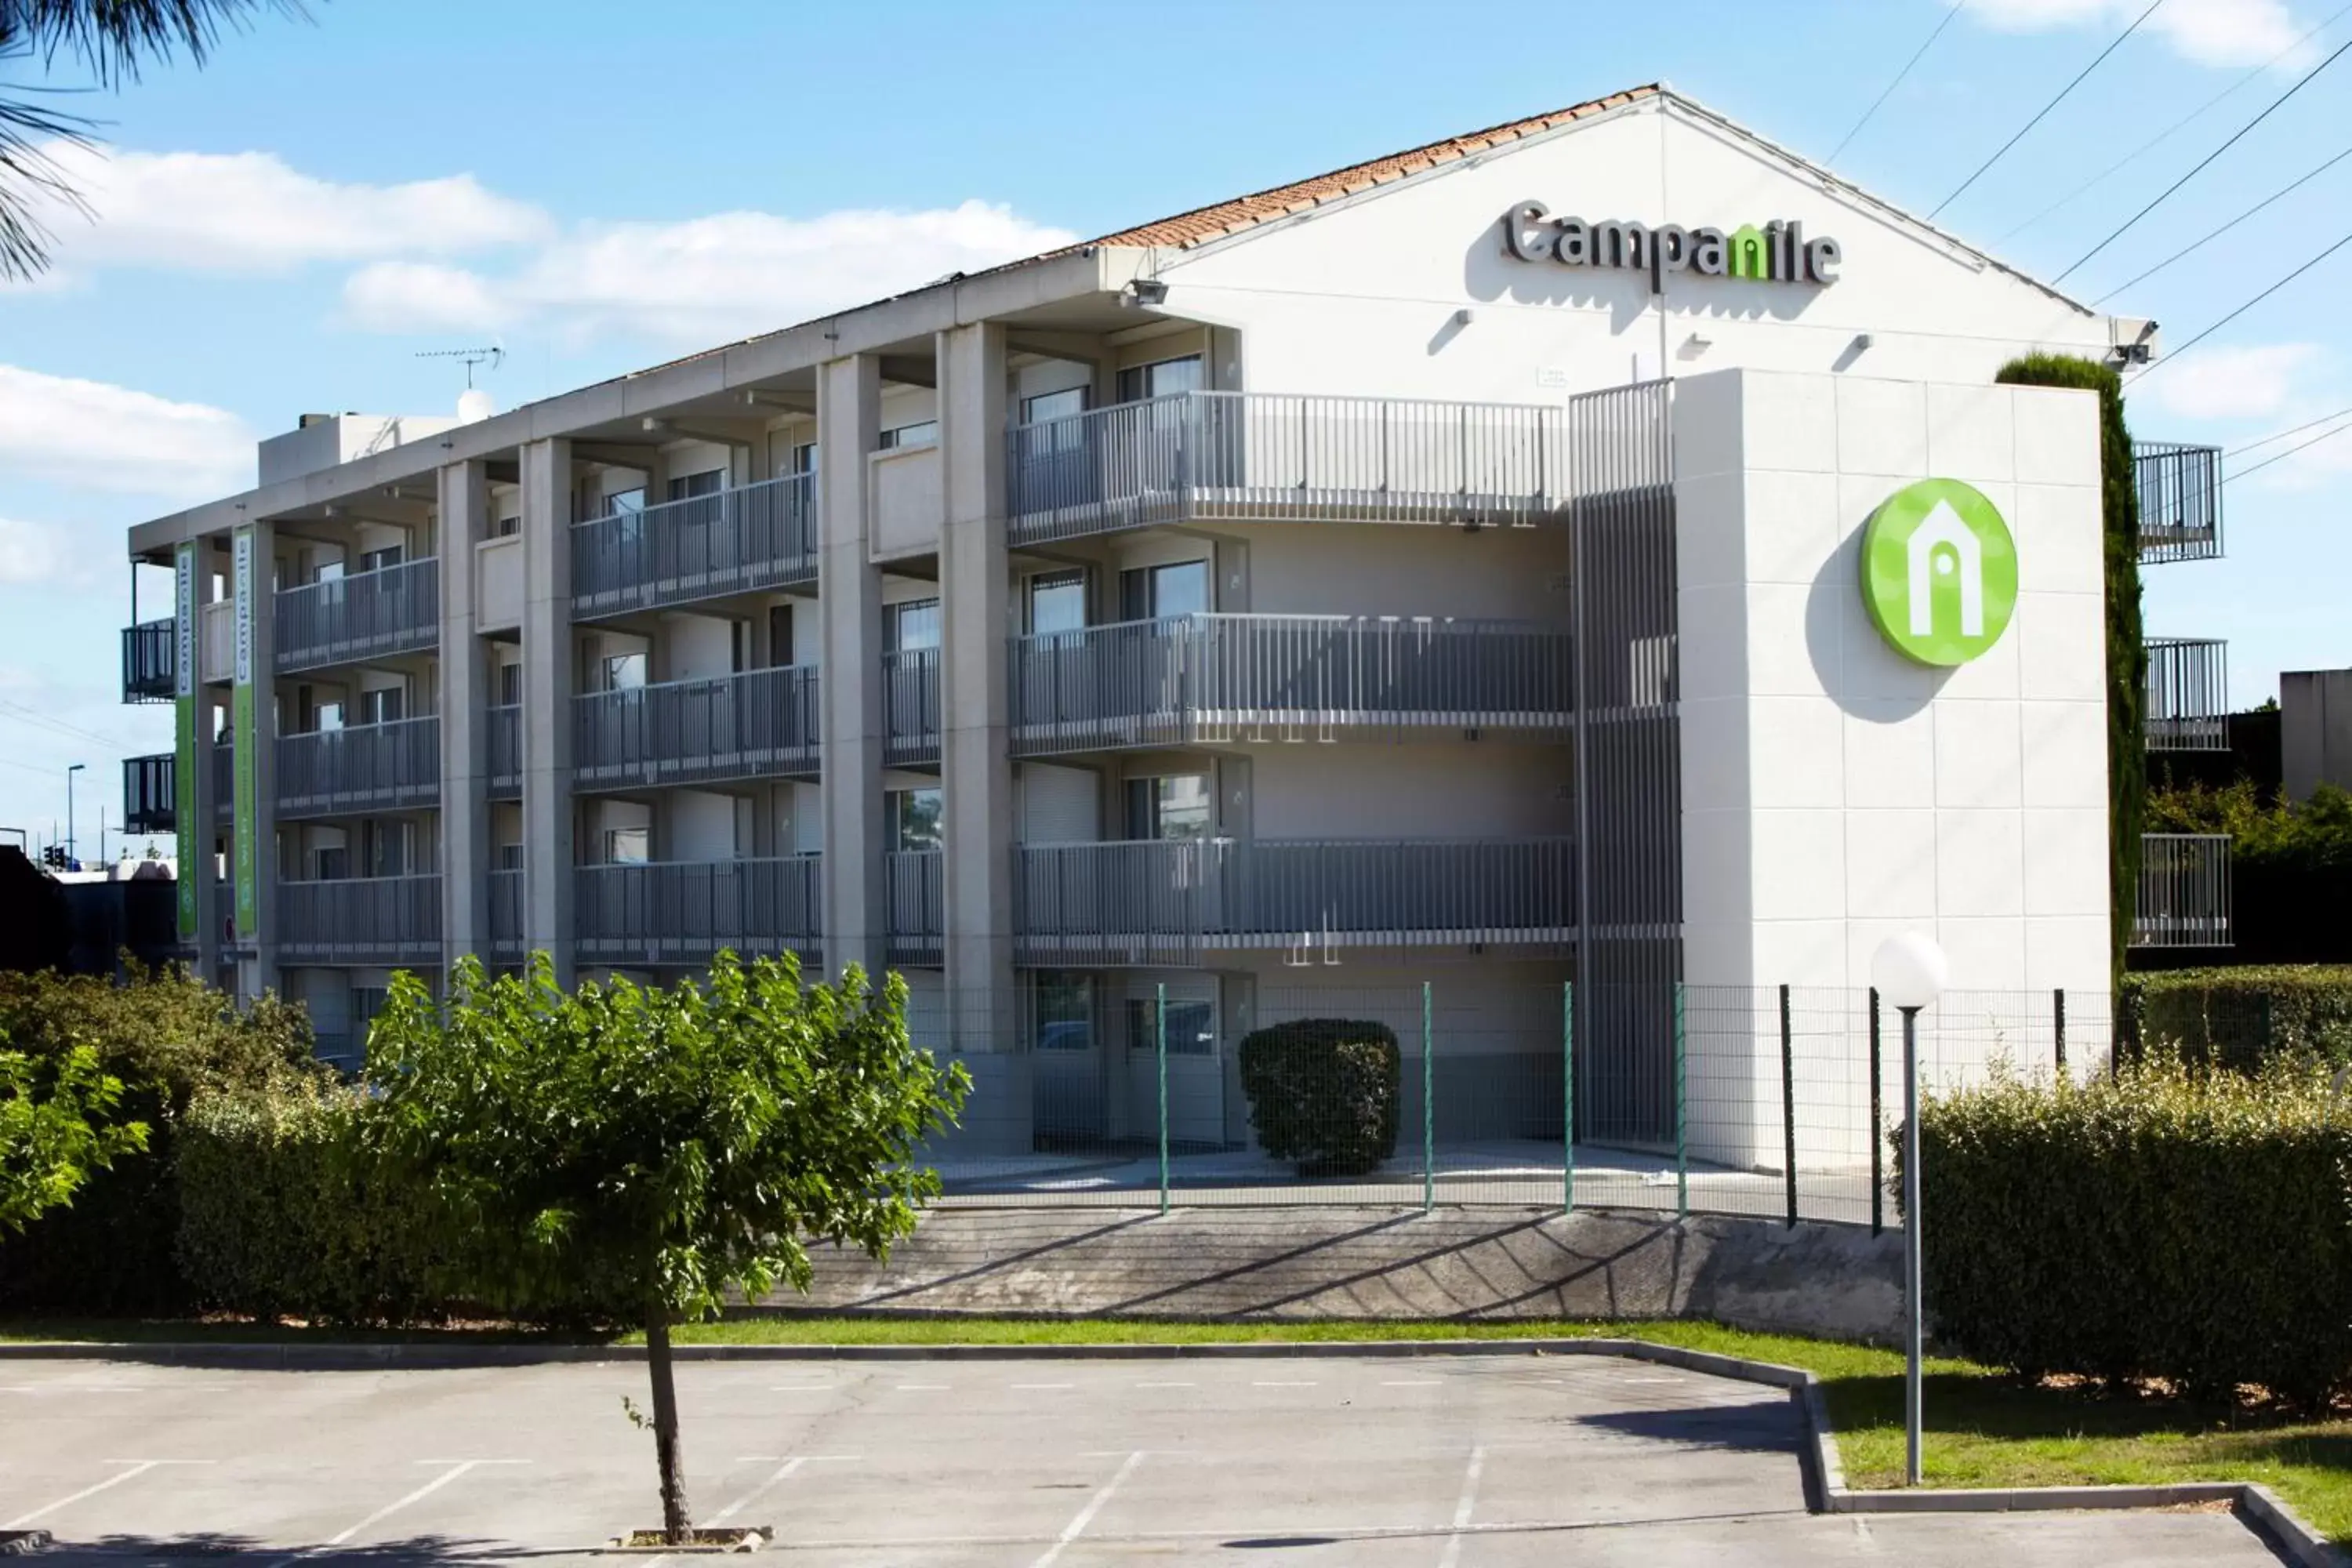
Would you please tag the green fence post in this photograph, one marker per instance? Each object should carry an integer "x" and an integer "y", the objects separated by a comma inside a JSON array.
[
  {"x": 1682, "y": 1120},
  {"x": 1428, "y": 1108},
  {"x": 1568, "y": 1095},
  {"x": 1162, "y": 1054}
]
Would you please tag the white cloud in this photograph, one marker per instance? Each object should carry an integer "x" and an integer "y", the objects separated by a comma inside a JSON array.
[
  {"x": 2205, "y": 32},
  {"x": 704, "y": 280},
  {"x": 2258, "y": 382},
  {"x": 46, "y": 555},
  {"x": 92, "y": 435},
  {"x": 249, "y": 212}
]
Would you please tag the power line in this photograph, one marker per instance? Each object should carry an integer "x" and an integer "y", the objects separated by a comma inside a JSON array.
[
  {"x": 59, "y": 726},
  {"x": 1916, "y": 55},
  {"x": 2046, "y": 108},
  {"x": 2242, "y": 309},
  {"x": 2291, "y": 451},
  {"x": 2165, "y": 194},
  {"x": 2175, "y": 128},
  {"x": 2225, "y": 229},
  {"x": 2282, "y": 434}
]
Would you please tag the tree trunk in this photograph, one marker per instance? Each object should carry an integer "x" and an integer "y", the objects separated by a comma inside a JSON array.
[{"x": 676, "y": 1523}]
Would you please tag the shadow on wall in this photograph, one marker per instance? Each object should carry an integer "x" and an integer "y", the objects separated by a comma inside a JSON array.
[{"x": 1866, "y": 678}]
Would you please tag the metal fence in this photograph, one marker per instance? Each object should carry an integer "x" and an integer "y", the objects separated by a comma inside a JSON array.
[
  {"x": 910, "y": 707},
  {"x": 502, "y": 733},
  {"x": 360, "y": 920},
  {"x": 1260, "y": 455},
  {"x": 1179, "y": 680},
  {"x": 2184, "y": 891},
  {"x": 915, "y": 889},
  {"x": 360, "y": 767},
  {"x": 1781, "y": 1101},
  {"x": 150, "y": 797},
  {"x": 752, "y": 537},
  {"x": 2180, "y": 500},
  {"x": 759, "y": 723},
  {"x": 1170, "y": 900},
  {"x": 506, "y": 913},
  {"x": 2188, "y": 700},
  {"x": 675, "y": 912},
  {"x": 151, "y": 661},
  {"x": 361, "y": 615}
]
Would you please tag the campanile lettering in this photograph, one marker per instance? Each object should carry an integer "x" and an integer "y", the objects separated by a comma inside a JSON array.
[{"x": 1779, "y": 252}]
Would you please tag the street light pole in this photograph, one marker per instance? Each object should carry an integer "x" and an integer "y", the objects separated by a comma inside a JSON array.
[
  {"x": 1913, "y": 1334},
  {"x": 70, "y": 771}
]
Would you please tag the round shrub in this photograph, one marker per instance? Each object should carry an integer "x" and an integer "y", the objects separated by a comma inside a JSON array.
[{"x": 1325, "y": 1092}]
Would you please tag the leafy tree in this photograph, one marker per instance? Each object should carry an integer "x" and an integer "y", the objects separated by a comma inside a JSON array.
[
  {"x": 108, "y": 40},
  {"x": 631, "y": 1154},
  {"x": 53, "y": 1131}
]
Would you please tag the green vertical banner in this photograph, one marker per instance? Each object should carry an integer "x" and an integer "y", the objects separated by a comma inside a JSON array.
[
  {"x": 188, "y": 851},
  {"x": 246, "y": 818}
]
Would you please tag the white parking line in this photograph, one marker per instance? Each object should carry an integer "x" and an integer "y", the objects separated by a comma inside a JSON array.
[
  {"x": 756, "y": 1493},
  {"x": 132, "y": 1467},
  {"x": 1076, "y": 1527},
  {"x": 456, "y": 1468},
  {"x": 1462, "y": 1508}
]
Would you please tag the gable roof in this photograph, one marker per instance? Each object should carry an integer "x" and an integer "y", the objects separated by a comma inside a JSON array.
[{"x": 1219, "y": 219}]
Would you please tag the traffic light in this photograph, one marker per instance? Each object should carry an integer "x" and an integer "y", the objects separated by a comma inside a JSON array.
[{"x": 54, "y": 857}]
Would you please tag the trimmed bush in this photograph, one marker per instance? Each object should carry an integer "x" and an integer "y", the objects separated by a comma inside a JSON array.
[
  {"x": 1325, "y": 1092},
  {"x": 2241, "y": 1018},
  {"x": 2168, "y": 1223}
]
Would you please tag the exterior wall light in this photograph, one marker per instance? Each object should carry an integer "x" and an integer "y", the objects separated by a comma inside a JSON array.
[
  {"x": 1910, "y": 970},
  {"x": 1144, "y": 292}
]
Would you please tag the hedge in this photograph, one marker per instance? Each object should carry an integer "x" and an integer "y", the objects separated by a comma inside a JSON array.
[
  {"x": 1324, "y": 1093},
  {"x": 2168, "y": 1223},
  {"x": 2241, "y": 1018}
]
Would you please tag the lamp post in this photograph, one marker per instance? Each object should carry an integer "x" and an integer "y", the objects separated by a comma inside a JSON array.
[
  {"x": 69, "y": 823},
  {"x": 1910, "y": 972}
]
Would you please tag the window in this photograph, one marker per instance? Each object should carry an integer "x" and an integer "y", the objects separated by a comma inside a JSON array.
[
  {"x": 377, "y": 560},
  {"x": 385, "y": 705},
  {"x": 509, "y": 858},
  {"x": 384, "y": 849},
  {"x": 1057, "y": 602},
  {"x": 1065, "y": 1011},
  {"x": 1163, "y": 378},
  {"x": 1147, "y": 592},
  {"x": 508, "y": 526},
  {"x": 327, "y": 716},
  {"x": 627, "y": 846},
  {"x": 779, "y": 635},
  {"x": 1192, "y": 1026},
  {"x": 1175, "y": 806},
  {"x": 923, "y": 433},
  {"x": 511, "y": 684},
  {"x": 1053, "y": 406},
  {"x": 686, "y": 486},
  {"x": 802, "y": 459},
  {"x": 329, "y": 863},
  {"x": 625, "y": 503},
  {"x": 915, "y": 819},
  {"x": 912, "y": 624},
  {"x": 624, "y": 671}
]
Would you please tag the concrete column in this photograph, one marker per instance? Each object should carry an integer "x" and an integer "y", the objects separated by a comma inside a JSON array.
[
  {"x": 465, "y": 734},
  {"x": 547, "y": 683},
  {"x": 849, "y": 614},
  {"x": 253, "y": 590},
  {"x": 212, "y": 910}
]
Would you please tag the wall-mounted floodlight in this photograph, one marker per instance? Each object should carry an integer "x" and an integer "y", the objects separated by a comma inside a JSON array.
[{"x": 1144, "y": 292}]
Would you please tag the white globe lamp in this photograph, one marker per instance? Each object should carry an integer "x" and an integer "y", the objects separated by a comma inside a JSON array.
[{"x": 1909, "y": 970}]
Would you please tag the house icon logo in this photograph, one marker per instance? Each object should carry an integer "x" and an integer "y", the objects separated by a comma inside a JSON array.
[{"x": 1939, "y": 572}]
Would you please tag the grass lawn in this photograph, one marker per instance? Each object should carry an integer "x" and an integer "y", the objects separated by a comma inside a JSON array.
[{"x": 1983, "y": 1428}]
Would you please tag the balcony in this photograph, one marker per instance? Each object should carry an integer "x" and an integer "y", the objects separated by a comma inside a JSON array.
[
  {"x": 503, "y": 736},
  {"x": 910, "y": 708},
  {"x": 360, "y": 920},
  {"x": 683, "y": 912},
  {"x": 506, "y": 915},
  {"x": 150, "y": 794},
  {"x": 359, "y": 616},
  {"x": 2179, "y": 500},
  {"x": 917, "y": 900},
  {"x": 750, "y": 539},
  {"x": 2184, "y": 891},
  {"x": 1192, "y": 679},
  {"x": 762, "y": 723},
  {"x": 151, "y": 661},
  {"x": 393, "y": 766},
  {"x": 1281, "y": 457},
  {"x": 1171, "y": 902},
  {"x": 2187, "y": 700}
]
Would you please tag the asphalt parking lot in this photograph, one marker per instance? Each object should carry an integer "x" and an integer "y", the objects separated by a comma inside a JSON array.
[{"x": 1436, "y": 1462}]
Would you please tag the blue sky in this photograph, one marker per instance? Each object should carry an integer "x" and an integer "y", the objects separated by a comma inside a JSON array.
[{"x": 600, "y": 187}]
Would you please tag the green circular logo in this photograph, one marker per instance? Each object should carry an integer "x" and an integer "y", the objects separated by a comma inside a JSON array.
[{"x": 1939, "y": 571}]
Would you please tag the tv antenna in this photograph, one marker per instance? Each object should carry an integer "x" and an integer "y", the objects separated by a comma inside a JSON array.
[{"x": 472, "y": 357}]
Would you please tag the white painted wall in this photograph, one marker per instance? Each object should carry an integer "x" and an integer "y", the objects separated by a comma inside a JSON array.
[
  {"x": 701, "y": 827},
  {"x": 697, "y": 648},
  {"x": 1441, "y": 789}
]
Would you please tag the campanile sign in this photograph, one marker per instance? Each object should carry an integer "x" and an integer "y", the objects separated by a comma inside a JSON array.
[{"x": 1779, "y": 252}]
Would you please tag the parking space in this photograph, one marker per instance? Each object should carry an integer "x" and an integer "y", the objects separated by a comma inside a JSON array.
[{"x": 1437, "y": 1462}]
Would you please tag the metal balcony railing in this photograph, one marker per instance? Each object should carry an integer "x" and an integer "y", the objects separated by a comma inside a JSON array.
[
  {"x": 503, "y": 735},
  {"x": 150, "y": 662},
  {"x": 910, "y": 707},
  {"x": 684, "y": 911},
  {"x": 360, "y": 920},
  {"x": 1279, "y": 457},
  {"x": 393, "y": 766},
  {"x": 506, "y": 914},
  {"x": 1168, "y": 900},
  {"x": 2184, "y": 891},
  {"x": 915, "y": 887},
  {"x": 2188, "y": 701},
  {"x": 752, "y": 537},
  {"x": 1184, "y": 679},
  {"x": 150, "y": 797},
  {"x": 2179, "y": 500},
  {"x": 359, "y": 616},
  {"x": 761, "y": 723}
]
